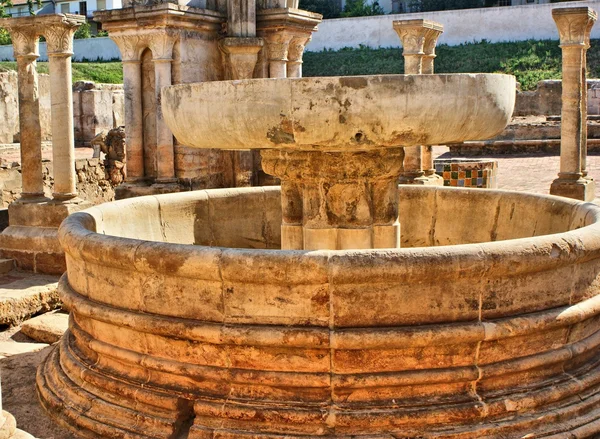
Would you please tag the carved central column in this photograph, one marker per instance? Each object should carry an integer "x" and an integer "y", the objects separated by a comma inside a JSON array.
[
  {"x": 574, "y": 26},
  {"x": 25, "y": 45},
  {"x": 335, "y": 201},
  {"x": 59, "y": 37}
]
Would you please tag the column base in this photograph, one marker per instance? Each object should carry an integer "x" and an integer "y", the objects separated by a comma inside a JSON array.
[
  {"x": 31, "y": 238},
  {"x": 583, "y": 189}
]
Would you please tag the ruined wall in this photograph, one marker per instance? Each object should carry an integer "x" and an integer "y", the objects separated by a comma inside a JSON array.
[
  {"x": 546, "y": 100},
  {"x": 96, "y": 108},
  {"x": 92, "y": 183},
  {"x": 9, "y": 109}
]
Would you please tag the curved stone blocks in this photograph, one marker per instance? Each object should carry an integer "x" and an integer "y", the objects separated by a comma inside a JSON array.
[{"x": 490, "y": 331}]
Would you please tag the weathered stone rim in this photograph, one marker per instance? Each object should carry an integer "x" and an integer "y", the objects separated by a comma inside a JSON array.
[{"x": 577, "y": 245}]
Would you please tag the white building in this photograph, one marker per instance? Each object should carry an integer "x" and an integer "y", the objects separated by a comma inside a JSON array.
[{"x": 403, "y": 6}]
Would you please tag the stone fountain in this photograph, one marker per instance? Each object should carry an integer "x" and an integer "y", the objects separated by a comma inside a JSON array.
[{"x": 271, "y": 313}]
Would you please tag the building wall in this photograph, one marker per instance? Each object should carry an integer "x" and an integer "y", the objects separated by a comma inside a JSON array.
[
  {"x": 92, "y": 5},
  {"x": 90, "y": 49},
  {"x": 497, "y": 24}
]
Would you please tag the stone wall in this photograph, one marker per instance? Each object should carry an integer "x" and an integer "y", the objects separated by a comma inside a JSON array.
[
  {"x": 9, "y": 109},
  {"x": 517, "y": 23},
  {"x": 92, "y": 183},
  {"x": 96, "y": 108}
]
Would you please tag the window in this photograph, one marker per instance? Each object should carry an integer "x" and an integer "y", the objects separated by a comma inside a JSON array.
[
  {"x": 101, "y": 5},
  {"x": 505, "y": 3},
  {"x": 64, "y": 8},
  {"x": 83, "y": 8}
]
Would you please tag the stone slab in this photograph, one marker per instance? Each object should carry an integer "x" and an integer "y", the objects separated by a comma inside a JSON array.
[
  {"x": 9, "y": 348},
  {"x": 46, "y": 328},
  {"x": 23, "y": 295}
]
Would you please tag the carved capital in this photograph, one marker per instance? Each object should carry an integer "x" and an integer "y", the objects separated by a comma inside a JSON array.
[
  {"x": 418, "y": 36},
  {"x": 59, "y": 37},
  {"x": 431, "y": 39},
  {"x": 277, "y": 46},
  {"x": 25, "y": 42},
  {"x": 296, "y": 48},
  {"x": 129, "y": 46},
  {"x": 162, "y": 45},
  {"x": 574, "y": 25}
]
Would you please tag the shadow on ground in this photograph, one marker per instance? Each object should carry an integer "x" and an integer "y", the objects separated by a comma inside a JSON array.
[{"x": 20, "y": 399}]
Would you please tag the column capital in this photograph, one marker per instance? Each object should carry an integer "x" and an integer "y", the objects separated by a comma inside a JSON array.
[
  {"x": 161, "y": 45},
  {"x": 413, "y": 34},
  {"x": 25, "y": 42},
  {"x": 297, "y": 46},
  {"x": 431, "y": 38},
  {"x": 130, "y": 46},
  {"x": 59, "y": 33},
  {"x": 277, "y": 45},
  {"x": 574, "y": 25}
]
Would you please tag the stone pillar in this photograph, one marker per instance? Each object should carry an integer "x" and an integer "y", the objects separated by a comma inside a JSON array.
[
  {"x": 419, "y": 38},
  {"x": 25, "y": 45},
  {"x": 337, "y": 201},
  {"x": 574, "y": 26},
  {"x": 295, "y": 53},
  {"x": 427, "y": 68},
  {"x": 59, "y": 38},
  {"x": 134, "y": 125},
  {"x": 162, "y": 56}
]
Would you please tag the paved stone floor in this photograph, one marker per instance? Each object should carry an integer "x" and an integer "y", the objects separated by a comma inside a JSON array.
[{"x": 531, "y": 173}]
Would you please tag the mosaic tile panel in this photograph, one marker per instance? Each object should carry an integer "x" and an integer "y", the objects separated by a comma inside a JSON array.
[{"x": 468, "y": 172}]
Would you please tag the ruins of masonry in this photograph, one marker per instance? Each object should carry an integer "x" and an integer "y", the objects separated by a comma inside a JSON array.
[
  {"x": 574, "y": 26},
  {"x": 167, "y": 43},
  {"x": 341, "y": 304},
  {"x": 32, "y": 236},
  {"x": 419, "y": 39}
]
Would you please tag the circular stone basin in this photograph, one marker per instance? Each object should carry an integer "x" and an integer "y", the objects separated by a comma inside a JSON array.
[
  {"x": 186, "y": 321},
  {"x": 339, "y": 113}
]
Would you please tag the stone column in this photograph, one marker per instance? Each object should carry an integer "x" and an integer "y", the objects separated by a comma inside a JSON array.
[
  {"x": 162, "y": 56},
  {"x": 412, "y": 33},
  {"x": 134, "y": 125},
  {"x": 427, "y": 68},
  {"x": 574, "y": 26},
  {"x": 59, "y": 39},
  {"x": 25, "y": 45},
  {"x": 336, "y": 201},
  {"x": 295, "y": 53}
]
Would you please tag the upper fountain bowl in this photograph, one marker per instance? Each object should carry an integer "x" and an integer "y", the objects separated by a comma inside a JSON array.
[{"x": 340, "y": 113}]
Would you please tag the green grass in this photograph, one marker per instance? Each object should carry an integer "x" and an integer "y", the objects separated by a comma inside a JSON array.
[
  {"x": 102, "y": 72},
  {"x": 529, "y": 61}
]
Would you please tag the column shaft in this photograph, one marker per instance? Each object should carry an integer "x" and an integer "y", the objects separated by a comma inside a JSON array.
[
  {"x": 164, "y": 137},
  {"x": 571, "y": 122},
  {"x": 63, "y": 141},
  {"x": 29, "y": 123},
  {"x": 134, "y": 125}
]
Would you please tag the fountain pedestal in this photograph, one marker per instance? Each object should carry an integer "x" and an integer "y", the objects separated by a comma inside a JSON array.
[{"x": 337, "y": 200}]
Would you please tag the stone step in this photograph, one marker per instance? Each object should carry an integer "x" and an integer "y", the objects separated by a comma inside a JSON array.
[
  {"x": 6, "y": 265},
  {"x": 46, "y": 328}
]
